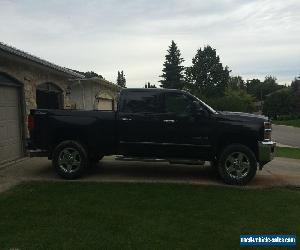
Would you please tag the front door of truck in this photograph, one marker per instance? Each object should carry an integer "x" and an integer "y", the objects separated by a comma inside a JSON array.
[
  {"x": 187, "y": 126},
  {"x": 140, "y": 123}
]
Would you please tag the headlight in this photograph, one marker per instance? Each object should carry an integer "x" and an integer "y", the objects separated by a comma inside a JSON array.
[{"x": 267, "y": 131}]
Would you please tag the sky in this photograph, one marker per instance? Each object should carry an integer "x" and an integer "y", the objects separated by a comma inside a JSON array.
[{"x": 254, "y": 38}]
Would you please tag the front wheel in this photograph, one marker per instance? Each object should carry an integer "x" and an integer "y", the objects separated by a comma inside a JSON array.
[
  {"x": 237, "y": 164},
  {"x": 70, "y": 159}
]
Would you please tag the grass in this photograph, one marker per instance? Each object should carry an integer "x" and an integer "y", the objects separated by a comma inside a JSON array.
[
  {"x": 294, "y": 123},
  {"x": 288, "y": 152},
  {"x": 142, "y": 216}
]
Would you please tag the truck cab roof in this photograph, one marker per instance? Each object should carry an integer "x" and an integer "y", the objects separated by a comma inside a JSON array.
[{"x": 150, "y": 89}]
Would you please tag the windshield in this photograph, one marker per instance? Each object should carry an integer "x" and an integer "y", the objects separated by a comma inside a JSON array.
[{"x": 204, "y": 104}]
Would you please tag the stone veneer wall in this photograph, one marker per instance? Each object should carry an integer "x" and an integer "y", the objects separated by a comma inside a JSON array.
[
  {"x": 29, "y": 96},
  {"x": 30, "y": 74}
]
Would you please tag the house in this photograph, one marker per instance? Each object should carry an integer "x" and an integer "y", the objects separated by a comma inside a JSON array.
[
  {"x": 29, "y": 82},
  {"x": 94, "y": 94}
]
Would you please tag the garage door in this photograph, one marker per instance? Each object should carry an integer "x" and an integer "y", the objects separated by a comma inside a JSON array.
[
  {"x": 10, "y": 134},
  {"x": 105, "y": 104}
]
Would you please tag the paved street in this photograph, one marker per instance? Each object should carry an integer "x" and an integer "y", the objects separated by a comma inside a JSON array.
[
  {"x": 280, "y": 172},
  {"x": 286, "y": 135}
]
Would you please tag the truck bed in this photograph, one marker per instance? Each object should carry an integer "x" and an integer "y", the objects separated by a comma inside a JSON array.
[{"x": 96, "y": 129}]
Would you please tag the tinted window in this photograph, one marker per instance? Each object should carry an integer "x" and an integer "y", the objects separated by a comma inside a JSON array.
[
  {"x": 178, "y": 103},
  {"x": 141, "y": 102}
]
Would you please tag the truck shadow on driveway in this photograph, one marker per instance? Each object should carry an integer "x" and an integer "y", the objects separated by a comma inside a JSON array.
[
  {"x": 153, "y": 172},
  {"x": 110, "y": 170}
]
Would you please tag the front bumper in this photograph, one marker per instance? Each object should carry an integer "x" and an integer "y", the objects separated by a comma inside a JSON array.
[{"x": 266, "y": 152}]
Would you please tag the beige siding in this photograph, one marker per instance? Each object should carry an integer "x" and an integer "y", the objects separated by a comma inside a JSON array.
[{"x": 105, "y": 104}]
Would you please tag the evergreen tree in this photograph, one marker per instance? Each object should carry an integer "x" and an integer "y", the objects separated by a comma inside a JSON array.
[
  {"x": 207, "y": 76},
  {"x": 254, "y": 88},
  {"x": 295, "y": 85},
  {"x": 121, "y": 80},
  {"x": 172, "y": 76}
]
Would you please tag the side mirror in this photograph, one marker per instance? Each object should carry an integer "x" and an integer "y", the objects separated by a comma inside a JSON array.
[
  {"x": 199, "y": 110},
  {"x": 203, "y": 112}
]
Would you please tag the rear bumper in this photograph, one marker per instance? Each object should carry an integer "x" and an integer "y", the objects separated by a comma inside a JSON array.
[
  {"x": 266, "y": 152},
  {"x": 37, "y": 153},
  {"x": 33, "y": 151},
  {"x": 29, "y": 145}
]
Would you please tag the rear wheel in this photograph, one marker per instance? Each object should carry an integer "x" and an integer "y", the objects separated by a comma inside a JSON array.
[
  {"x": 237, "y": 165},
  {"x": 70, "y": 159}
]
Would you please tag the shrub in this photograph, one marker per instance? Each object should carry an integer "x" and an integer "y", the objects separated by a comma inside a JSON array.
[
  {"x": 279, "y": 103},
  {"x": 233, "y": 100}
]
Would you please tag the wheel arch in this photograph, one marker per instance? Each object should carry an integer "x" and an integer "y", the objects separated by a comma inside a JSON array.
[
  {"x": 65, "y": 135},
  {"x": 231, "y": 138}
]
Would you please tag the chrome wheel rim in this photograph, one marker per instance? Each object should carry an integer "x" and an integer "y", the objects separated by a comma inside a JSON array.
[
  {"x": 69, "y": 160},
  {"x": 237, "y": 165}
]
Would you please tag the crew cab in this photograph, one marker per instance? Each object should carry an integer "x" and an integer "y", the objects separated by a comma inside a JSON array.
[{"x": 153, "y": 123}]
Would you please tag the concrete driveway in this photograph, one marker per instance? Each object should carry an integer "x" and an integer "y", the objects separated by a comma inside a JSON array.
[
  {"x": 279, "y": 172},
  {"x": 286, "y": 135}
]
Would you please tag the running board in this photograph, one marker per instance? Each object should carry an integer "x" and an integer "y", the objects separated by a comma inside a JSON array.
[{"x": 171, "y": 161}]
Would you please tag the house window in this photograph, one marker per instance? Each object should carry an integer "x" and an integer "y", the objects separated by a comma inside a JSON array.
[{"x": 49, "y": 96}]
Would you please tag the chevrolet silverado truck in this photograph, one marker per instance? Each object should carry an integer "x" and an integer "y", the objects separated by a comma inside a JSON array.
[{"x": 153, "y": 123}]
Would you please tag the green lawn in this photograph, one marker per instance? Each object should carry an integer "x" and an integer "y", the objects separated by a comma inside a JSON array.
[
  {"x": 294, "y": 123},
  {"x": 142, "y": 216},
  {"x": 288, "y": 152}
]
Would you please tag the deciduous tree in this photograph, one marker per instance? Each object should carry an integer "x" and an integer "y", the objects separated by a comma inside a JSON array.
[{"x": 207, "y": 76}]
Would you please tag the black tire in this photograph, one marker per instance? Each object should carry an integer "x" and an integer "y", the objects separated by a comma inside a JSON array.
[
  {"x": 70, "y": 159},
  {"x": 237, "y": 164}
]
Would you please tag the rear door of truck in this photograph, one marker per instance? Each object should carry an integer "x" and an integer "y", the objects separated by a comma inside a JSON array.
[{"x": 140, "y": 123}]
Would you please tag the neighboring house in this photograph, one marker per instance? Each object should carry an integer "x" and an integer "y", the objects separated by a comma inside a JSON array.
[
  {"x": 28, "y": 82},
  {"x": 93, "y": 94}
]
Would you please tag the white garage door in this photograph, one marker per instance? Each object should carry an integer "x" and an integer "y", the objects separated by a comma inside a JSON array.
[
  {"x": 105, "y": 104},
  {"x": 10, "y": 134}
]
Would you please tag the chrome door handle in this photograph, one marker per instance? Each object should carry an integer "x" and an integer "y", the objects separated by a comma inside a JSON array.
[
  {"x": 126, "y": 119},
  {"x": 169, "y": 121}
]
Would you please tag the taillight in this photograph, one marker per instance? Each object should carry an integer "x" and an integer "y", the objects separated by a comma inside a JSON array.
[
  {"x": 267, "y": 131},
  {"x": 30, "y": 123}
]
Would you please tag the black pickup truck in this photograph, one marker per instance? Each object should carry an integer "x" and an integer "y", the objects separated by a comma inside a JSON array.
[{"x": 153, "y": 123}]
